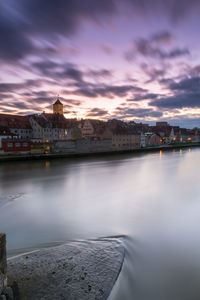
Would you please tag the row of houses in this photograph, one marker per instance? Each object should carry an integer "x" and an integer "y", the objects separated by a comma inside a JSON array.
[
  {"x": 52, "y": 132},
  {"x": 72, "y": 136}
]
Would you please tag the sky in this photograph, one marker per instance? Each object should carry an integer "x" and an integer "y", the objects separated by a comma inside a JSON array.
[{"x": 127, "y": 59}]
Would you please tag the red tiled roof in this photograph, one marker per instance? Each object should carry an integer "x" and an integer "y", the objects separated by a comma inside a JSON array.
[
  {"x": 120, "y": 127},
  {"x": 54, "y": 121},
  {"x": 59, "y": 121},
  {"x": 14, "y": 121}
]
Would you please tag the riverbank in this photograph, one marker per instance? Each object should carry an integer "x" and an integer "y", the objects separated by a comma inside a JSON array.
[
  {"x": 84, "y": 270},
  {"x": 14, "y": 157}
]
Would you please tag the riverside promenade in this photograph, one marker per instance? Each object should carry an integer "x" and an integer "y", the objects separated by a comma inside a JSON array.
[
  {"x": 85, "y": 270},
  {"x": 16, "y": 157}
]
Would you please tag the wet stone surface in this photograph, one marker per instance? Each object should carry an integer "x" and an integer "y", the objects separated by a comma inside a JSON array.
[
  {"x": 76, "y": 270},
  {"x": 3, "y": 263},
  {"x": 1, "y": 282}
]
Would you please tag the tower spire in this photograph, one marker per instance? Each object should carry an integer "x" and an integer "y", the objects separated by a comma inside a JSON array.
[{"x": 58, "y": 106}]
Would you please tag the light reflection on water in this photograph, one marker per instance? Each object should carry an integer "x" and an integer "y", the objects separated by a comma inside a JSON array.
[{"x": 153, "y": 199}]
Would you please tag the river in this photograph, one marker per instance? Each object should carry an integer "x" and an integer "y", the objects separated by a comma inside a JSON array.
[{"x": 151, "y": 199}]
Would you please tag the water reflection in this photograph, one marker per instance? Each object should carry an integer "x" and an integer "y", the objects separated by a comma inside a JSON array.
[{"x": 151, "y": 198}]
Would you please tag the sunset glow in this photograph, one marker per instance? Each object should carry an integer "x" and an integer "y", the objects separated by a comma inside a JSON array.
[{"x": 130, "y": 60}]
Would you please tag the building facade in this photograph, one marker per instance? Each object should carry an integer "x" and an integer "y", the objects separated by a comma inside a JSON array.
[
  {"x": 58, "y": 107},
  {"x": 16, "y": 146},
  {"x": 17, "y": 125}
]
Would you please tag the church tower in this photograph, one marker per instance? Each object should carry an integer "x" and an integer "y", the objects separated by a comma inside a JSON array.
[{"x": 58, "y": 107}]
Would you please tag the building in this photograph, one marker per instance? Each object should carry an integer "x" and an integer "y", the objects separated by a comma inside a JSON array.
[
  {"x": 87, "y": 129},
  {"x": 153, "y": 140},
  {"x": 65, "y": 147},
  {"x": 162, "y": 124},
  {"x": 42, "y": 148},
  {"x": 142, "y": 140},
  {"x": 58, "y": 107},
  {"x": 16, "y": 146},
  {"x": 5, "y": 134},
  {"x": 42, "y": 131},
  {"x": 172, "y": 136},
  {"x": 124, "y": 135},
  {"x": 17, "y": 125},
  {"x": 187, "y": 135},
  {"x": 93, "y": 145},
  {"x": 93, "y": 128},
  {"x": 126, "y": 141},
  {"x": 196, "y": 137},
  {"x": 46, "y": 128},
  {"x": 49, "y": 127}
]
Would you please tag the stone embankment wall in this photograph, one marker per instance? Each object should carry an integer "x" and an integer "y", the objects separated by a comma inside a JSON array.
[
  {"x": 3, "y": 264},
  {"x": 6, "y": 293},
  {"x": 83, "y": 146}
]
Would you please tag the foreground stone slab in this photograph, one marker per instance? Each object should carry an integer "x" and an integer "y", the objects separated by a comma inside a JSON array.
[{"x": 74, "y": 271}]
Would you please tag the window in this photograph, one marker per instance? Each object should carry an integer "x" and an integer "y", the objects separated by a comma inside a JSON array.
[
  {"x": 25, "y": 144},
  {"x": 17, "y": 144},
  {"x": 10, "y": 145}
]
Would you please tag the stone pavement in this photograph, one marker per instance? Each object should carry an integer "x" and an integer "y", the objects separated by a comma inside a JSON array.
[{"x": 79, "y": 270}]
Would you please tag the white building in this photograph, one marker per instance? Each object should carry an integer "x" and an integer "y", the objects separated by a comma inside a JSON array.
[{"x": 18, "y": 125}]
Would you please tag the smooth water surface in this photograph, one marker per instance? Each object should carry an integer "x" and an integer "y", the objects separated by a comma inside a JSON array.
[{"x": 152, "y": 199}]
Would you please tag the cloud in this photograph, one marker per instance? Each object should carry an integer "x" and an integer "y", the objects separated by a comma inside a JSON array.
[
  {"x": 137, "y": 112},
  {"x": 23, "y": 22},
  {"x": 72, "y": 73},
  {"x": 16, "y": 87},
  {"x": 97, "y": 112},
  {"x": 10, "y": 87},
  {"x": 64, "y": 16},
  {"x": 188, "y": 84},
  {"x": 103, "y": 73},
  {"x": 81, "y": 87},
  {"x": 41, "y": 31},
  {"x": 13, "y": 40},
  {"x": 45, "y": 67},
  {"x": 194, "y": 71},
  {"x": 143, "y": 97},
  {"x": 150, "y": 48},
  {"x": 108, "y": 91},
  {"x": 186, "y": 94},
  {"x": 191, "y": 100},
  {"x": 72, "y": 102},
  {"x": 162, "y": 37},
  {"x": 56, "y": 71},
  {"x": 68, "y": 71},
  {"x": 175, "y": 10},
  {"x": 155, "y": 73},
  {"x": 107, "y": 49}
]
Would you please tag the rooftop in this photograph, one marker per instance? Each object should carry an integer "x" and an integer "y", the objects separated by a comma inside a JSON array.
[
  {"x": 57, "y": 102},
  {"x": 14, "y": 121}
]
